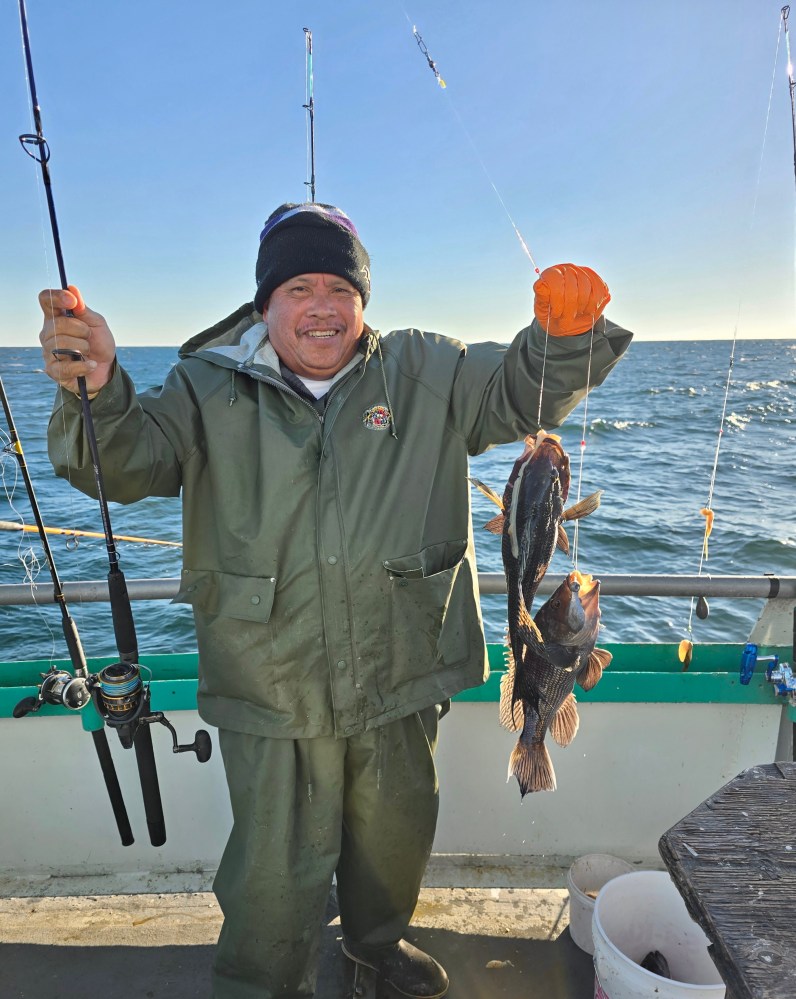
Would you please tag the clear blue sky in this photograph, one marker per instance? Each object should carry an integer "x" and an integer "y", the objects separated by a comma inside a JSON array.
[{"x": 626, "y": 135}]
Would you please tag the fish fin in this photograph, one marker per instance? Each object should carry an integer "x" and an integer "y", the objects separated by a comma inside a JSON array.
[
  {"x": 584, "y": 507},
  {"x": 512, "y": 714},
  {"x": 589, "y": 674},
  {"x": 564, "y": 726},
  {"x": 562, "y": 541},
  {"x": 495, "y": 525},
  {"x": 488, "y": 491},
  {"x": 527, "y": 629},
  {"x": 530, "y": 763}
]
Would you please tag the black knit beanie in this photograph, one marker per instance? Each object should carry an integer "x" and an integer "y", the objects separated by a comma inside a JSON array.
[{"x": 309, "y": 238}]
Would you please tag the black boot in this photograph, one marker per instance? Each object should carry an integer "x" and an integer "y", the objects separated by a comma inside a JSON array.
[{"x": 402, "y": 966}]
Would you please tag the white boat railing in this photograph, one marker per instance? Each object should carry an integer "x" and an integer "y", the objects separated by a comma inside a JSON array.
[{"x": 765, "y": 587}]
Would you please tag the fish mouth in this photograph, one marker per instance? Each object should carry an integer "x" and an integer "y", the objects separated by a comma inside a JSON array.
[
  {"x": 533, "y": 442},
  {"x": 586, "y": 586}
]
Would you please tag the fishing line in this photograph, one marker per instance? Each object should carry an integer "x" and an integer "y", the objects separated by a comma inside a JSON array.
[
  {"x": 527, "y": 251},
  {"x": 26, "y": 554},
  {"x": 524, "y": 245},
  {"x": 700, "y": 604},
  {"x": 583, "y": 445},
  {"x": 433, "y": 66}
]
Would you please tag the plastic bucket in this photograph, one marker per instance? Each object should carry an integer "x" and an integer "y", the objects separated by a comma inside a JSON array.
[
  {"x": 640, "y": 912},
  {"x": 589, "y": 874}
]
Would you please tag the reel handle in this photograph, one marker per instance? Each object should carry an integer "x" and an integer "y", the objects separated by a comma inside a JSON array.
[
  {"x": 201, "y": 745},
  {"x": 26, "y": 706}
]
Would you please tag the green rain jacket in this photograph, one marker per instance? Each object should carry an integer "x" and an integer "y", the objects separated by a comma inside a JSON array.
[{"x": 328, "y": 557}]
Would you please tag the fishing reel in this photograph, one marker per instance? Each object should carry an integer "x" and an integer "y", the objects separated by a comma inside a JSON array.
[
  {"x": 58, "y": 687},
  {"x": 779, "y": 674},
  {"x": 123, "y": 701},
  {"x": 121, "y": 698}
]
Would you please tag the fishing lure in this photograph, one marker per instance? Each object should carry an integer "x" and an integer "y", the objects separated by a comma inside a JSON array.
[{"x": 431, "y": 64}]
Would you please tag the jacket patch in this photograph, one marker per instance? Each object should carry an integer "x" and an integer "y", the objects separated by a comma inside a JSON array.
[{"x": 377, "y": 418}]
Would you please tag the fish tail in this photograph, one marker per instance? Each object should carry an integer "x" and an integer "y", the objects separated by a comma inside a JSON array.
[
  {"x": 564, "y": 726},
  {"x": 530, "y": 763}
]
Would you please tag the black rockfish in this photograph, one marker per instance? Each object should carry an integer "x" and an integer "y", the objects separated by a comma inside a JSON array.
[
  {"x": 532, "y": 512},
  {"x": 536, "y": 692}
]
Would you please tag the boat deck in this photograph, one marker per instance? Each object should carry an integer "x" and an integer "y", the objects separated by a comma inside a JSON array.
[{"x": 506, "y": 943}]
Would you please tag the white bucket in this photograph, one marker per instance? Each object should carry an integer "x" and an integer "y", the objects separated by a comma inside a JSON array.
[
  {"x": 640, "y": 912},
  {"x": 589, "y": 874}
]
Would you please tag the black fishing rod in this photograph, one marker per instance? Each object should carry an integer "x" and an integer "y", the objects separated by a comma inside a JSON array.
[
  {"x": 60, "y": 686},
  {"x": 120, "y": 695},
  {"x": 310, "y": 109},
  {"x": 791, "y": 82}
]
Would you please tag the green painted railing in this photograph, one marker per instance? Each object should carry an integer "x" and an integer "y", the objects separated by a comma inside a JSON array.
[{"x": 638, "y": 674}]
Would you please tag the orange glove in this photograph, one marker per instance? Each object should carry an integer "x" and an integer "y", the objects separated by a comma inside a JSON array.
[{"x": 569, "y": 299}]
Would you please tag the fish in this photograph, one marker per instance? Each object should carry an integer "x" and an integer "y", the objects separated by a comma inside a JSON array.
[
  {"x": 531, "y": 518},
  {"x": 537, "y": 689},
  {"x": 657, "y": 964}
]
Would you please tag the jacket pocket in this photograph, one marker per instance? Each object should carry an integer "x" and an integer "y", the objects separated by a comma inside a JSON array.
[
  {"x": 427, "y": 627},
  {"x": 223, "y": 594}
]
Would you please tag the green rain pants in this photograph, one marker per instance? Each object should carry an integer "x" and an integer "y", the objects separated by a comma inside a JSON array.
[{"x": 363, "y": 807}]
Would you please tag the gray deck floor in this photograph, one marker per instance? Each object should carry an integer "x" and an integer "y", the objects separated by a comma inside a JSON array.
[{"x": 506, "y": 943}]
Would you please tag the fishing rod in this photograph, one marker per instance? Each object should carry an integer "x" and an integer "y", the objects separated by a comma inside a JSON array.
[
  {"x": 791, "y": 82},
  {"x": 60, "y": 686},
  {"x": 118, "y": 692},
  {"x": 75, "y": 535},
  {"x": 700, "y": 605},
  {"x": 310, "y": 109}
]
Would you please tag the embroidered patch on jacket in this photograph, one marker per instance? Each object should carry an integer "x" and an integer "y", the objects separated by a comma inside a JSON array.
[{"x": 377, "y": 418}]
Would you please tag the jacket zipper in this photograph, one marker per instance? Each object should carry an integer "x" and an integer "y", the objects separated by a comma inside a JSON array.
[
  {"x": 282, "y": 388},
  {"x": 267, "y": 380}
]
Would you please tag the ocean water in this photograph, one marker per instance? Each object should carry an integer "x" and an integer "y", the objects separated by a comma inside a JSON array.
[{"x": 651, "y": 433}]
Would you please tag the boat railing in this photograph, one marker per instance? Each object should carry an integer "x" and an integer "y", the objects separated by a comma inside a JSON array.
[{"x": 765, "y": 587}]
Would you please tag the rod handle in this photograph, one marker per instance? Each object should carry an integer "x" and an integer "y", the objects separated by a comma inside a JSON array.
[
  {"x": 150, "y": 788},
  {"x": 113, "y": 787},
  {"x": 122, "y": 614}
]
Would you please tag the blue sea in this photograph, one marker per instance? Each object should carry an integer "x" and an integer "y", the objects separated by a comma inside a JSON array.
[{"x": 651, "y": 433}]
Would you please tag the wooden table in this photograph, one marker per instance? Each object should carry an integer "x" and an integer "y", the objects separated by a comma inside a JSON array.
[{"x": 733, "y": 860}]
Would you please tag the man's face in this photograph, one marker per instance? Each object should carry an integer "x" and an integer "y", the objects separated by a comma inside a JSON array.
[{"x": 314, "y": 323}]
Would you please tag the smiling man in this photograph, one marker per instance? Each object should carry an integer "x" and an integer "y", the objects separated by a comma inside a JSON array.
[{"x": 328, "y": 557}]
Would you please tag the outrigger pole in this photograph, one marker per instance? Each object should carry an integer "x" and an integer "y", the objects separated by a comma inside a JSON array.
[
  {"x": 791, "y": 83},
  {"x": 310, "y": 109},
  {"x": 118, "y": 692},
  {"x": 71, "y": 691}
]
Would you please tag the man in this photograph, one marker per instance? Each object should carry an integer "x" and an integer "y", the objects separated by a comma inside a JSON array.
[{"x": 328, "y": 557}]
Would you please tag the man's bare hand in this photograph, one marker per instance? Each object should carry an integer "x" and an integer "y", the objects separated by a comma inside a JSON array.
[{"x": 85, "y": 331}]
